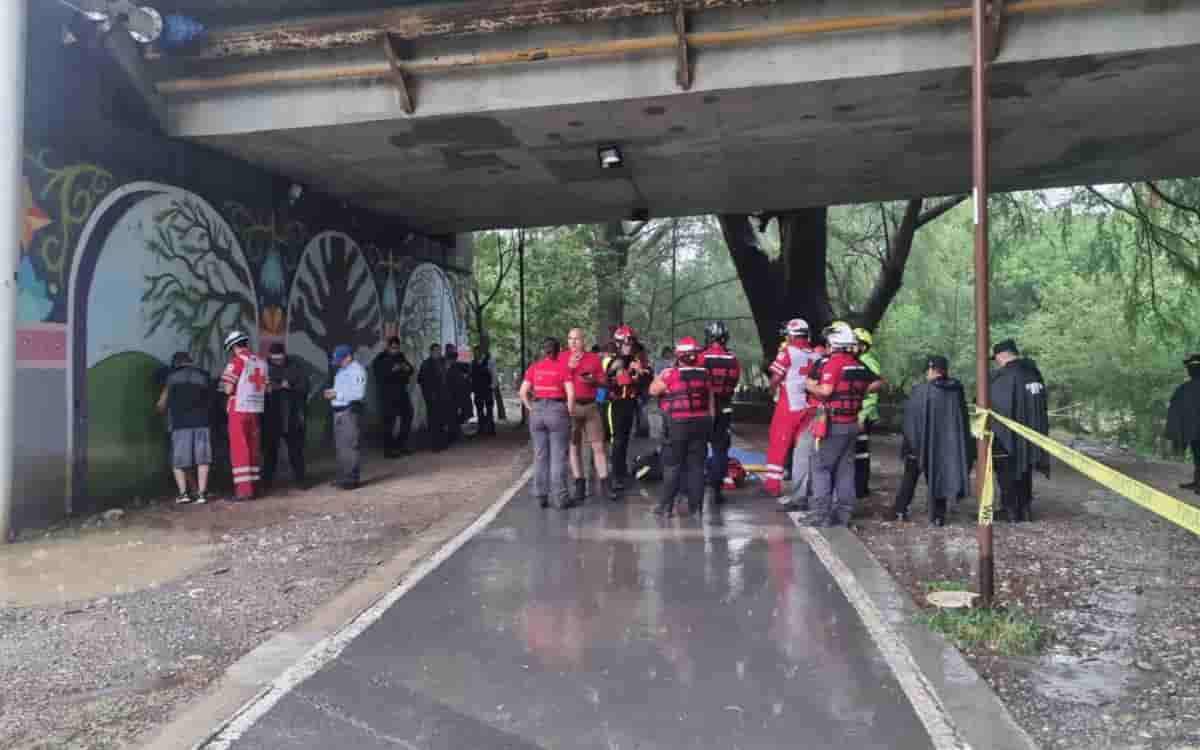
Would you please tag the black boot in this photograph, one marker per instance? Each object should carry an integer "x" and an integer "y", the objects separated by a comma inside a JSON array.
[
  {"x": 543, "y": 501},
  {"x": 607, "y": 490},
  {"x": 580, "y": 492},
  {"x": 618, "y": 483}
]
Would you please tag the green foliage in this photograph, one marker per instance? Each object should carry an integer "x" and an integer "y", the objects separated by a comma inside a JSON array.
[{"x": 1009, "y": 631}]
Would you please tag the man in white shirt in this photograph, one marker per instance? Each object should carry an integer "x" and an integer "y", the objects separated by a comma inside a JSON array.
[{"x": 346, "y": 397}]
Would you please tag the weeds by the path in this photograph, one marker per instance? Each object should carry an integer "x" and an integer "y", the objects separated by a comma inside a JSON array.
[{"x": 1010, "y": 631}]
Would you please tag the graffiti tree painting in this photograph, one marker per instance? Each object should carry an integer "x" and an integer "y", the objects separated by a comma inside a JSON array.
[
  {"x": 333, "y": 300},
  {"x": 201, "y": 288}
]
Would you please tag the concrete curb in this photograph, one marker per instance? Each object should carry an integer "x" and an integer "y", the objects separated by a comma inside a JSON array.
[
  {"x": 255, "y": 674},
  {"x": 976, "y": 712}
]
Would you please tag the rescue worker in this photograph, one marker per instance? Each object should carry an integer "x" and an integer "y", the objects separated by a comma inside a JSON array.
[
  {"x": 392, "y": 373},
  {"x": 840, "y": 382},
  {"x": 432, "y": 379},
  {"x": 687, "y": 402},
  {"x": 628, "y": 373},
  {"x": 866, "y": 418},
  {"x": 724, "y": 372},
  {"x": 346, "y": 399},
  {"x": 1018, "y": 393},
  {"x": 937, "y": 442},
  {"x": 283, "y": 414},
  {"x": 789, "y": 423},
  {"x": 1183, "y": 419},
  {"x": 483, "y": 387},
  {"x": 548, "y": 394},
  {"x": 587, "y": 375},
  {"x": 244, "y": 381}
]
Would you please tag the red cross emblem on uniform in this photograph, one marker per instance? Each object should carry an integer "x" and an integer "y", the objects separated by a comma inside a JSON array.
[{"x": 257, "y": 379}]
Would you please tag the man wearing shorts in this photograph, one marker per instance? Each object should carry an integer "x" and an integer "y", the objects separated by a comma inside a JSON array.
[
  {"x": 187, "y": 398},
  {"x": 587, "y": 374}
]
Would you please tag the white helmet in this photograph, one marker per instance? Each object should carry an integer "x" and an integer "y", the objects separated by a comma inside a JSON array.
[
  {"x": 234, "y": 338},
  {"x": 797, "y": 327},
  {"x": 841, "y": 337}
]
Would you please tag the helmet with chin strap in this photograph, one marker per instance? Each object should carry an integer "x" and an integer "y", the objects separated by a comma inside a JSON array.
[
  {"x": 797, "y": 327},
  {"x": 716, "y": 331},
  {"x": 840, "y": 337},
  {"x": 234, "y": 338}
]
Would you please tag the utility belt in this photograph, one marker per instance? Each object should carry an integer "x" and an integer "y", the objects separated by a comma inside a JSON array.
[
  {"x": 584, "y": 401},
  {"x": 538, "y": 400}
]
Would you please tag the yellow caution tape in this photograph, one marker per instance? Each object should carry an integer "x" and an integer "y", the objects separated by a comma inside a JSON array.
[
  {"x": 987, "y": 498},
  {"x": 755, "y": 468},
  {"x": 1175, "y": 511}
]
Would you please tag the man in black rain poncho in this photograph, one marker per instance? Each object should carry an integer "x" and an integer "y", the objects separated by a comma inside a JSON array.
[
  {"x": 1183, "y": 419},
  {"x": 937, "y": 442},
  {"x": 1018, "y": 393}
]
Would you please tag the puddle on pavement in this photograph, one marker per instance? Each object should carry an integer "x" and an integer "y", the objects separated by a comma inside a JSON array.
[{"x": 97, "y": 563}]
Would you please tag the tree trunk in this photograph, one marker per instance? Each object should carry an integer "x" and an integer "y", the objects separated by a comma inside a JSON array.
[
  {"x": 792, "y": 285},
  {"x": 609, "y": 256}
]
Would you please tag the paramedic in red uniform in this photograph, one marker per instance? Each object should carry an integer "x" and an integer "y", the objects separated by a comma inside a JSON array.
[
  {"x": 245, "y": 383},
  {"x": 549, "y": 395},
  {"x": 789, "y": 424},
  {"x": 840, "y": 383},
  {"x": 628, "y": 373},
  {"x": 724, "y": 372},
  {"x": 687, "y": 404},
  {"x": 587, "y": 374}
]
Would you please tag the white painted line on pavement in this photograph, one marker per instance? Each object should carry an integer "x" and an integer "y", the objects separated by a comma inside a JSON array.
[
  {"x": 921, "y": 693},
  {"x": 329, "y": 648}
]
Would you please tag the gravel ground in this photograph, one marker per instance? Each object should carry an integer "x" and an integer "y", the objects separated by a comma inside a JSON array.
[
  {"x": 1116, "y": 584},
  {"x": 105, "y": 670}
]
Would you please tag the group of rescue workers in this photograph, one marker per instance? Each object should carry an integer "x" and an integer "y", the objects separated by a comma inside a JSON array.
[{"x": 826, "y": 409}]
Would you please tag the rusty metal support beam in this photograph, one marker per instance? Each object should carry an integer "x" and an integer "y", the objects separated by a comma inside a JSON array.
[
  {"x": 683, "y": 66},
  {"x": 424, "y": 21},
  {"x": 993, "y": 26},
  {"x": 614, "y": 48},
  {"x": 397, "y": 77}
]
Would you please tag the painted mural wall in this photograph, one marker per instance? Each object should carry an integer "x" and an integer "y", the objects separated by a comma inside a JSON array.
[{"x": 136, "y": 246}]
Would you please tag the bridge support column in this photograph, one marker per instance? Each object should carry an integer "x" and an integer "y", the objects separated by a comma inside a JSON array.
[{"x": 13, "y": 16}]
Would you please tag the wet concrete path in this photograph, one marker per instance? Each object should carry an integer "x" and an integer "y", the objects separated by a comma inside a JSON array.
[{"x": 605, "y": 627}]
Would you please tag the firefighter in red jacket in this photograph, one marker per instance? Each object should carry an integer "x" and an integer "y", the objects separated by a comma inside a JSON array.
[
  {"x": 687, "y": 403},
  {"x": 724, "y": 372},
  {"x": 789, "y": 372},
  {"x": 244, "y": 381},
  {"x": 840, "y": 384},
  {"x": 628, "y": 373}
]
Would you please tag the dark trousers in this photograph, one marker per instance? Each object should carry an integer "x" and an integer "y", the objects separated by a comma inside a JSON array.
[
  {"x": 862, "y": 460},
  {"x": 720, "y": 440},
  {"x": 621, "y": 415},
  {"x": 294, "y": 437},
  {"x": 1016, "y": 490},
  {"x": 397, "y": 423},
  {"x": 908, "y": 487},
  {"x": 435, "y": 419},
  {"x": 484, "y": 404},
  {"x": 683, "y": 462},
  {"x": 1196, "y": 454},
  {"x": 346, "y": 446}
]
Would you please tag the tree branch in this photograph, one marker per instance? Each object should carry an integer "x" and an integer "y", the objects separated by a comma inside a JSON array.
[{"x": 938, "y": 210}]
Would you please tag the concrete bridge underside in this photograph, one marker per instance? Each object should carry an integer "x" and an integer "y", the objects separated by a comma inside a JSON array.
[{"x": 1081, "y": 96}]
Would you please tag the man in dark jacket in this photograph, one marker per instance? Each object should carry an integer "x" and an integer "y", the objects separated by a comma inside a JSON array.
[
  {"x": 937, "y": 442},
  {"x": 187, "y": 399},
  {"x": 432, "y": 379},
  {"x": 1019, "y": 393},
  {"x": 1183, "y": 419},
  {"x": 458, "y": 387},
  {"x": 392, "y": 374},
  {"x": 483, "y": 385},
  {"x": 284, "y": 413}
]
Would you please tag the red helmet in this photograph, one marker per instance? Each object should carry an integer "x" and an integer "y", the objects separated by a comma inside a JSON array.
[
  {"x": 623, "y": 334},
  {"x": 686, "y": 345}
]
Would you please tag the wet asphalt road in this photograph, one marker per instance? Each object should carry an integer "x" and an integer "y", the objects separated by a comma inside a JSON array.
[{"x": 605, "y": 627}]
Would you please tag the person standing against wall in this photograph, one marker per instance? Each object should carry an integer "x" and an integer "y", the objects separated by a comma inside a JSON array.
[
  {"x": 432, "y": 379},
  {"x": 245, "y": 383},
  {"x": 483, "y": 386},
  {"x": 549, "y": 396},
  {"x": 392, "y": 373},
  {"x": 187, "y": 401},
  {"x": 346, "y": 399},
  {"x": 283, "y": 415}
]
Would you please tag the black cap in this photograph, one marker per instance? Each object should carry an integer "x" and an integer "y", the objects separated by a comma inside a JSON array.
[
  {"x": 277, "y": 348},
  {"x": 1192, "y": 361},
  {"x": 1007, "y": 345},
  {"x": 937, "y": 362}
]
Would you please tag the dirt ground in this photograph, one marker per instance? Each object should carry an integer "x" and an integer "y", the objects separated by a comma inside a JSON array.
[
  {"x": 110, "y": 626},
  {"x": 1116, "y": 584}
]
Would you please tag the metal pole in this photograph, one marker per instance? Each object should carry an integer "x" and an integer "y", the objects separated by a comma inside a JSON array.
[
  {"x": 521, "y": 307},
  {"x": 674, "y": 261},
  {"x": 982, "y": 276},
  {"x": 12, "y": 120}
]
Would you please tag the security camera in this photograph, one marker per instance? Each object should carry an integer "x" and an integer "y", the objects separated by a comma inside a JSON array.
[{"x": 610, "y": 157}]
